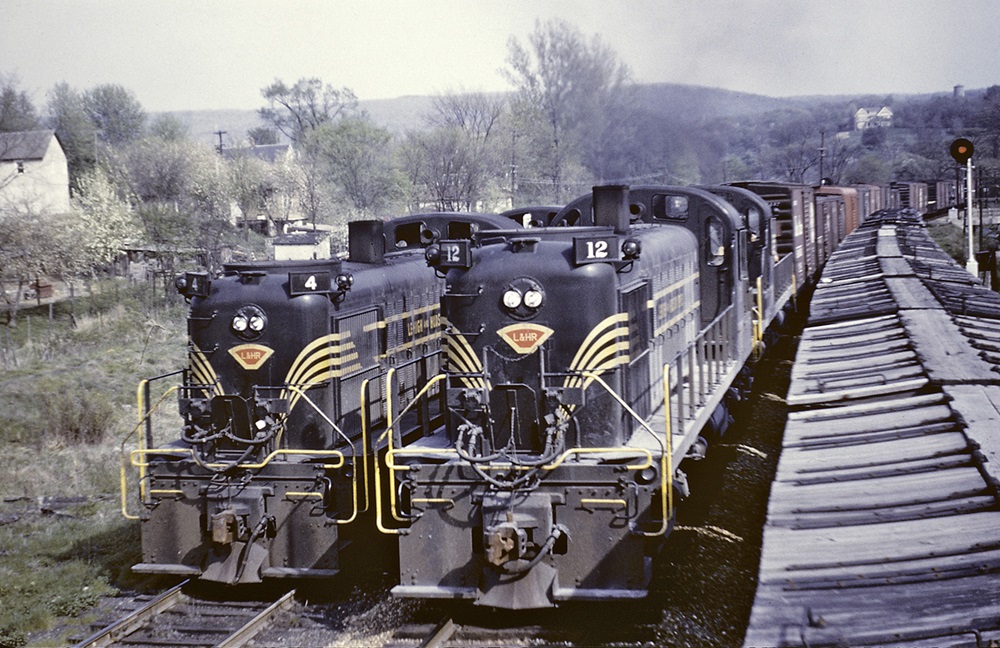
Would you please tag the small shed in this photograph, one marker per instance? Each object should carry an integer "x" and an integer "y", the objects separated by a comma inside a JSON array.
[{"x": 302, "y": 246}]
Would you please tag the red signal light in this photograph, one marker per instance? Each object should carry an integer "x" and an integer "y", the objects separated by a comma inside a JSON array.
[{"x": 961, "y": 150}]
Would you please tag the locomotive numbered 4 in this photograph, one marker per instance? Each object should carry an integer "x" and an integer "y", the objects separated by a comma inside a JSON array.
[{"x": 270, "y": 476}]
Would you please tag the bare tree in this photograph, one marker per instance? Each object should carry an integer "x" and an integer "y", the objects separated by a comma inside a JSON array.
[
  {"x": 571, "y": 84},
  {"x": 309, "y": 103},
  {"x": 474, "y": 113}
]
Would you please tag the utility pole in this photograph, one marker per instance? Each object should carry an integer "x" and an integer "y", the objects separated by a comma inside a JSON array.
[
  {"x": 220, "y": 133},
  {"x": 822, "y": 154}
]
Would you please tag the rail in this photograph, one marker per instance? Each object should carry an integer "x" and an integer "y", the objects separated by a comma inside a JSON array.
[
  {"x": 137, "y": 457},
  {"x": 130, "y": 623},
  {"x": 394, "y": 467},
  {"x": 176, "y": 618}
]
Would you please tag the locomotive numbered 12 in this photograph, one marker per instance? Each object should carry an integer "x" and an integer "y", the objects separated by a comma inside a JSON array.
[{"x": 584, "y": 361}]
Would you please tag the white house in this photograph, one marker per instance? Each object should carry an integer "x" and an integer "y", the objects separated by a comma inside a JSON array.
[
  {"x": 34, "y": 175},
  {"x": 873, "y": 118}
]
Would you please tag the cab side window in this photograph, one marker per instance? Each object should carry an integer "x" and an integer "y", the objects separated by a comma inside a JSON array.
[
  {"x": 715, "y": 239},
  {"x": 666, "y": 207}
]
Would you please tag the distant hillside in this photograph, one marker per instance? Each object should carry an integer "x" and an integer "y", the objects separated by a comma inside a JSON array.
[
  {"x": 407, "y": 113},
  {"x": 677, "y": 100}
]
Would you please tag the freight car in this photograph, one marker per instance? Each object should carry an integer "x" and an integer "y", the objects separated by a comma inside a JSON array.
[{"x": 270, "y": 475}]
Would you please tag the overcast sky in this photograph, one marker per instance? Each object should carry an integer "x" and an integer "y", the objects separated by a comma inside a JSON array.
[{"x": 201, "y": 54}]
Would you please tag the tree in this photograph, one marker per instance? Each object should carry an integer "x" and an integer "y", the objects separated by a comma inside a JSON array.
[
  {"x": 456, "y": 164},
  {"x": 295, "y": 110},
  {"x": 357, "y": 161},
  {"x": 17, "y": 112},
  {"x": 115, "y": 112},
  {"x": 793, "y": 149},
  {"x": 19, "y": 260},
  {"x": 106, "y": 221},
  {"x": 179, "y": 191},
  {"x": 66, "y": 115},
  {"x": 570, "y": 85},
  {"x": 169, "y": 127},
  {"x": 445, "y": 167},
  {"x": 251, "y": 183},
  {"x": 475, "y": 113},
  {"x": 262, "y": 136}
]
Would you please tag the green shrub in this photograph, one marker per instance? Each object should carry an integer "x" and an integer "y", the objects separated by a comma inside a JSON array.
[{"x": 73, "y": 411}]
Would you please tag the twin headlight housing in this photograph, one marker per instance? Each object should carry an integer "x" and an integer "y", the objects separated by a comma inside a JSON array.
[
  {"x": 249, "y": 322},
  {"x": 523, "y": 297},
  {"x": 531, "y": 298}
]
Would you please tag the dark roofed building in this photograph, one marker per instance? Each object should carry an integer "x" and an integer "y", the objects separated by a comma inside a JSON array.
[{"x": 34, "y": 175}]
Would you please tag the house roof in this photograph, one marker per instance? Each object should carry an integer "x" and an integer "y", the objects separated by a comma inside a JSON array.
[
  {"x": 25, "y": 145},
  {"x": 301, "y": 238}
]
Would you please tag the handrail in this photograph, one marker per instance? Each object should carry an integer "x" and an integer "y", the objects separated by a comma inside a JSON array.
[
  {"x": 354, "y": 456},
  {"x": 143, "y": 418},
  {"x": 666, "y": 449},
  {"x": 180, "y": 452},
  {"x": 393, "y": 467},
  {"x": 391, "y": 424}
]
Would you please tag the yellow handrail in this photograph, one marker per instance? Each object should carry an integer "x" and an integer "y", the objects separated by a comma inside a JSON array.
[
  {"x": 364, "y": 436},
  {"x": 389, "y": 450},
  {"x": 354, "y": 458},
  {"x": 180, "y": 452},
  {"x": 142, "y": 469},
  {"x": 666, "y": 450}
]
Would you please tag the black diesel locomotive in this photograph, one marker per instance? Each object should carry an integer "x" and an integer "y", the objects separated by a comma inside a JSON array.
[
  {"x": 529, "y": 396},
  {"x": 284, "y": 392},
  {"x": 584, "y": 360}
]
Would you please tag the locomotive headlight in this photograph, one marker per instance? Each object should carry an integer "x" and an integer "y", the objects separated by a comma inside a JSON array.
[
  {"x": 249, "y": 321},
  {"x": 511, "y": 298},
  {"x": 533, "y": 299}
]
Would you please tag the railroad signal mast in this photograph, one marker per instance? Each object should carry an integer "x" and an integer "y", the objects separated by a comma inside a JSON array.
[{"x": 962, "y": 149}]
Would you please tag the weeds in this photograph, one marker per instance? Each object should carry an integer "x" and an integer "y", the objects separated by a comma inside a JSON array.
[{"x": 67, "y": 397}]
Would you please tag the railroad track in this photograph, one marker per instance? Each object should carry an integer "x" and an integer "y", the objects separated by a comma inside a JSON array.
[{"x": 175, "y": 618}]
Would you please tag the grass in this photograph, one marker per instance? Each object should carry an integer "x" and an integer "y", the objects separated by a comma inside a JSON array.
[{"x": 67, "y": 398}]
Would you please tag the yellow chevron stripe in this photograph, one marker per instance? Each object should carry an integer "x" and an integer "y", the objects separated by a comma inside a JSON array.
[
  {"x": 607, "y": 358},
  {"x": 595, "y": 347},
  {"x": 314, "y": 352},
  {"x": 462, "y": 359},
  {"x": 613, "y": 320},
  {"x": 203, "y": 372},
  {"x": 612, "y": 357},
  {"x": 461, "y": 352}
]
